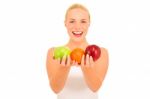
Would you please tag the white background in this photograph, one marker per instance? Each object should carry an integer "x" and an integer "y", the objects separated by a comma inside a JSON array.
[{"x": 29, "y": 27}]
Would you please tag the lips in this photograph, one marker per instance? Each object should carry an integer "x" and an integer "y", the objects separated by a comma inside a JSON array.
[{"x": 77, "y": 33}]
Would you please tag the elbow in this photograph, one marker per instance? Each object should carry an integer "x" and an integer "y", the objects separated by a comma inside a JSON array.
[
  {"x": 54, "y": 88},
  {"x": 96, "y": 87},
  {"x": 56, "y": 91}
]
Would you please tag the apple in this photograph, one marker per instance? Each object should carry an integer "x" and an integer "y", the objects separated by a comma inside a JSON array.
[
  {"x": 94, "y": 51},
  {"x": 59, "y": 52},
  {"x": 76, "y": 55}
]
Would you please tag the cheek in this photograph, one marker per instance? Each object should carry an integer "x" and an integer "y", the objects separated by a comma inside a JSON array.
[
  {"x": 69, "y": 27},
  {"x": 86, "y": 27}
]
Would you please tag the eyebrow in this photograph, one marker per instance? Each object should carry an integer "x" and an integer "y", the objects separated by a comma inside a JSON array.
[
  {"x": 72, "y": 19},
  {"x": 81, "y": 19},
  {"x": 84, "y": 19}
]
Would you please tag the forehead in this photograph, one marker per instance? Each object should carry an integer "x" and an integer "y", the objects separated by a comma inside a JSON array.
[{"x": 77, "y": 13}]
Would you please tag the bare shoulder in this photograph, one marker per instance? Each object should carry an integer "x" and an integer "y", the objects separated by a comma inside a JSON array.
[
  {"x": 50, "y": 52},
  {"x": 104, "y": 51},
  {"x": 104, "y": 55}
]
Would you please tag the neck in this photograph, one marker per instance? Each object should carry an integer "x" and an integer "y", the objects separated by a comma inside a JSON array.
[{"x": 74, "y": 44}]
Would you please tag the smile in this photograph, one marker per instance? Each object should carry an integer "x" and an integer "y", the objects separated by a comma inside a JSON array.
[{"x": 77, "y": 33}]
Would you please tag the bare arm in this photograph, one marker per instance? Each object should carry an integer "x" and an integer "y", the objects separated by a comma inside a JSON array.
[
  {"x": 94, "y": 72},
  {"x": 57, "y": 71}
]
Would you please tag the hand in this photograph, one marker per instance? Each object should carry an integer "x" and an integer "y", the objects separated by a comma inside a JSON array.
[
  {"x": 64, "y": 62},
  {"x": 87, "y": 61},
  {"x": 74, "y": 63}
]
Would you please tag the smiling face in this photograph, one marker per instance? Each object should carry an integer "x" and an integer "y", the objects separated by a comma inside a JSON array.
[{"x": 77, "y": 23}]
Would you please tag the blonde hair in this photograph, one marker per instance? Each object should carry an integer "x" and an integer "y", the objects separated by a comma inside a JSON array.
[{"x": 76, "y": 5}]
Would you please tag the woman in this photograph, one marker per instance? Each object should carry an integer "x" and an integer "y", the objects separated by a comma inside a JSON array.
[{"x": 67, "y": 78}]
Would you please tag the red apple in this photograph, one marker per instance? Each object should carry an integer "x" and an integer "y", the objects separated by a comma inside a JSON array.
[{"x": 94, "y": 51}]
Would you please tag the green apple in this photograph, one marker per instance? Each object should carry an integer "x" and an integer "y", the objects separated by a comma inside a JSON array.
[{"x": 59, "y": 52}]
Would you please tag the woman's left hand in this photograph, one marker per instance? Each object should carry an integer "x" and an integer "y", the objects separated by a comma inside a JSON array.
[{"x": 87, "y": 61}]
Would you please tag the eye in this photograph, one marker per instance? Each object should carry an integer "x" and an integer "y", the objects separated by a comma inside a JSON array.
[
  {"x": 83, "y": 21},
  {"x": 71, "y": 21}
]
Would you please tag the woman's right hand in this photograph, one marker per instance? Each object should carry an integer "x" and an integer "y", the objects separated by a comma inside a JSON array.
[
  {"x": 64, "y": 62},
  {"x": 58, "y": 70}
]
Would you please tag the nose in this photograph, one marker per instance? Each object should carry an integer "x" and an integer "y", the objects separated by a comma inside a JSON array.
[{"x": 78, "y": 25}]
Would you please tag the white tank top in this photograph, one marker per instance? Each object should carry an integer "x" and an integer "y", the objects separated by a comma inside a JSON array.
[{"x": 75, "y": 87}]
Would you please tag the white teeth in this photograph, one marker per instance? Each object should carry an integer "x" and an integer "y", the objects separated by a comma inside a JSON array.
[{"x": 77, "y": 32}]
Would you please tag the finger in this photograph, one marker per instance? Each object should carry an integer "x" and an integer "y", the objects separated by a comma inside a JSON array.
[
  {"x": 76, "y": 63},
  {"x": 87, "y": 60},
  {"x": 82, "y": 61},
  {"x": 53, "y": 59},
  {"x": 68, "y": 61},
  {"x": 63, "y": 60},
  {"x": 73, "y": 62},
  {"x": 58, "y": 61},
  {"x": 91, "y": 61}
]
